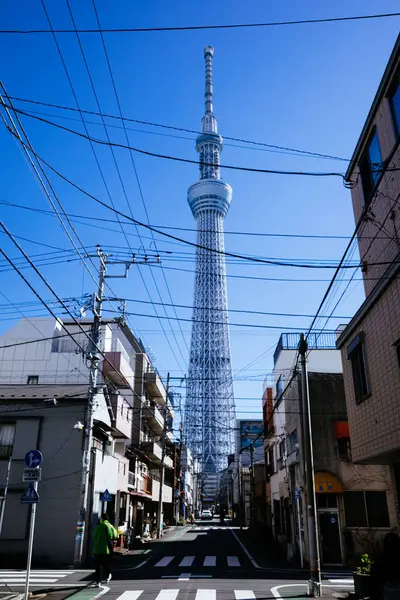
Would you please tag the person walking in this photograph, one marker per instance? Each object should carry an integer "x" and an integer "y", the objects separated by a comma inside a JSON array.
[{"x": 104, "y": 535}]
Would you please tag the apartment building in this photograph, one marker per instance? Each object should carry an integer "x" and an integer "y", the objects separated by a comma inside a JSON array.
[
  {"x": 324, "y": 358},
  {"x": 43, "y": 400},
  {"x": 248, "y": 433},
  {"x": 355, "y": 503},
  {"x": 370, "y": 343}
]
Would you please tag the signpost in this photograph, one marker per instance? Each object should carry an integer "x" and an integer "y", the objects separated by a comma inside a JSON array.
[
  {"x": 296, "y": 496},
  {"x": 32, "y": 473},
  {"x": 105, "y": 497}
]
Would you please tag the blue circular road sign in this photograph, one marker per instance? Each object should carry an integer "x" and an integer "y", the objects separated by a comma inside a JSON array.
[{"x": 33, "y": 458}]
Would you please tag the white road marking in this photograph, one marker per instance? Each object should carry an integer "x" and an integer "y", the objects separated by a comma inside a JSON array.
[
  {"x": 244, "y": 595},
  {"x": 341, "y": 581},
  {"x": 164, "y": 562},
  {"x": 22, "y": 581},
  {"x": 53, "y": 585},
  {"x": 233, "y": 561},
  {"x": 130, "y": 595},
  {"x": 167, "y": 595},
  {"x": 184, "y": 577},
  {"x": 206, "y": 594},
  {"x": 41, "y": 573},
  {"x": 187, "y": 561},
  {"x": 210, "y": 561}
]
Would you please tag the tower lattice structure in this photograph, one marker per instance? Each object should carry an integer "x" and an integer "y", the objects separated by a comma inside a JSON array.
[{"x": 210, "y": 404}]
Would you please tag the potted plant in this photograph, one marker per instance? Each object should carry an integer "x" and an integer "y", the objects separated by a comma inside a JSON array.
[{"x": 362, "y": 577}]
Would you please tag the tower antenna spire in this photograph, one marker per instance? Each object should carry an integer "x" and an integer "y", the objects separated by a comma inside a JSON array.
[
  {"x": 209, "y": 120},
  {"x": 208, "y": 56}
]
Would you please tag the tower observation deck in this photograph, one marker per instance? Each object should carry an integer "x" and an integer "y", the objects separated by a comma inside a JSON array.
[{"x": 210, "y": 405}]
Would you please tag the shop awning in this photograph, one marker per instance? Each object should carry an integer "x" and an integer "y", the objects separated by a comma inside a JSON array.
[{"x": 327, "y": 483}]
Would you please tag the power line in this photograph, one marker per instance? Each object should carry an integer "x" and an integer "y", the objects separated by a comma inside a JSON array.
[
  {"x": 280, "y": 327},
  {"x": 271, "y": 147},
  {"x": 113, "y": 155},
  {"x": 136, "y": 174},
  {"x": 187, "y": 242},
  {"x": 190, "y": 229},
  {"x": 202, "y": 27},
  {"x": 28, "y": 150},
  {"x": 178, "y": 158},
  {"x": 250, "y": 312}
]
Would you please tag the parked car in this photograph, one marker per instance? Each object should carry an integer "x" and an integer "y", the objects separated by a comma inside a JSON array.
[{"x": 206, "y": 514}]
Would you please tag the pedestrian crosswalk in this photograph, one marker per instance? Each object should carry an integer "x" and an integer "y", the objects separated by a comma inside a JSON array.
[
  {"x": 199, "y": 528},
  {"x": 198, "y": 561},
  {"x": 17, "y": 577},
  {"x": 199, "y": 594},
  {"x": 342, "y": 578}
]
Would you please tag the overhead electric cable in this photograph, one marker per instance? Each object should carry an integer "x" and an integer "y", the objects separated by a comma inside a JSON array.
[
  {"x": 191, "y": 229},
  {"x": 249, "y": 312},
  {"x": 136, "y": 174},
  {"x": 178, "y": 158},
  {"x": 185, "y": 130},
  {"x": 189, "y": 243},
  {"x": 29, "y": 152},
  {"x": 202, "y": 27},
  {"x": 112, "y": 150}
]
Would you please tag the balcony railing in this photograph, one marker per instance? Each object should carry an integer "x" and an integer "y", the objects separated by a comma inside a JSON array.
[
  {"x": 325, "y": 340},
  {"x": 152, "y": 415}
]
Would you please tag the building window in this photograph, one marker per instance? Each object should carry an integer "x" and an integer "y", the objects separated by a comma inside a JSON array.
[
  {"x": 33, "y": 379},
  {"x": 371, "y": 166},
  {"x": 279, "y": 387},
  {"x": 343, "y": 448},
  {"x": 326, "y": 500},
  {"x": 342, "y": 436},
  {"x": 282, "y": 454},
  {"x": 7, "y": 434},
  {"x": 366, "y": 509},
  {"x": 356, "y": 355},
  {"x": 271, "y": 461},
  {"x": 292, "y": 442},
  {"x": 394, "y": 100}
]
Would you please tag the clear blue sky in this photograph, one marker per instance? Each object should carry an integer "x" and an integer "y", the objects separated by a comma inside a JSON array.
[{"x": 307, "y": 87}]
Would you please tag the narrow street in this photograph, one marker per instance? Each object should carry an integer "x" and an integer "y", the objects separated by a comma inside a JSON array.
[{"x": 205, "y": 561}]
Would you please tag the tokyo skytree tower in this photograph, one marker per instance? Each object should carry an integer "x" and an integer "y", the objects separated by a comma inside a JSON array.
[{"x": 210, "y": 404}]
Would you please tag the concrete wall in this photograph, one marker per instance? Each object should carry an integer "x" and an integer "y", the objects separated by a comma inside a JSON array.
[
  {"x": 51, "y": 430},
  {"x": 375, "y": 422}
]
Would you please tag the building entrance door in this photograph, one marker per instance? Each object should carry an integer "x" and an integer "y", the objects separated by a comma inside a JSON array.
[{"x": 329, "y": 533}]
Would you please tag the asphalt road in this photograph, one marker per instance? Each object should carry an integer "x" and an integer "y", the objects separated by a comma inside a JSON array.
[{"x": 202, "y": 562}]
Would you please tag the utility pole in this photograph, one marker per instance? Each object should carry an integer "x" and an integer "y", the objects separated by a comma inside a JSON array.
[
  {"x": 4, "y": 499},
  {"x": 162, "y": 467},
  {"x": 252, "y": 487},
  {"x": 180, "y": 487},
  {"x": 93, "y": 356},
  {"x": 314, "y": 583}
]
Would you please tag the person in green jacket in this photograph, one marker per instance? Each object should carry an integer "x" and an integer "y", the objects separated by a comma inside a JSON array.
[{"x": 104, "y": 535}]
